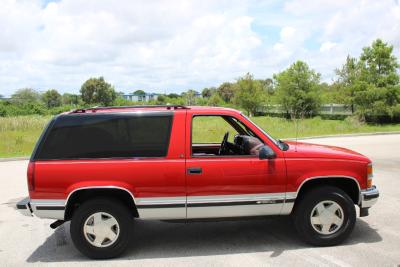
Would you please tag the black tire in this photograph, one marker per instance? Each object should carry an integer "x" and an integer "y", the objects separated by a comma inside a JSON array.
[
  {"x": 113, "y": 207},
  {"x": 302, "y": 216}
]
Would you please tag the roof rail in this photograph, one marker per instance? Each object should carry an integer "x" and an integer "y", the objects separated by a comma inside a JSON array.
[{"x": 94, "y": 109}]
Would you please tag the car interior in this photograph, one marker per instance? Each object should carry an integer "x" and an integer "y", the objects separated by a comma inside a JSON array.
[{"x": 235, "y": 138}]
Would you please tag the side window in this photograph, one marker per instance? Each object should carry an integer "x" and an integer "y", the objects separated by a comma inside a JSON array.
[
  {"x": 149, "y": 136},
  {"x": 208, "y": 137},
  {"x": 106, "y": 136},
  {"x": 211, "y": 130}
]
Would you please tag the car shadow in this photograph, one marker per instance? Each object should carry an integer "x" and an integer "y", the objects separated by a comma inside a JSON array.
[{"x": 155, "y": 239}]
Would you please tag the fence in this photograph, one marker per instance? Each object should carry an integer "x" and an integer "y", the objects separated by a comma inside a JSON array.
[{"x": 326, "y": 109}]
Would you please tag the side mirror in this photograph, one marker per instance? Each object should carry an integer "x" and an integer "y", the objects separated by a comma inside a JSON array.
[{"x": 266, "y": 152}]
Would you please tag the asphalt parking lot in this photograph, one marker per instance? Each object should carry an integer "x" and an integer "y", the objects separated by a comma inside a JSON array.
[{"x": 271, "y": 241}]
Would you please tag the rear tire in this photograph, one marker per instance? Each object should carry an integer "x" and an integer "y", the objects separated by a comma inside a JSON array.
[
  {"x": 101, "y": 228},
  {"x": 325, "y": 216}
]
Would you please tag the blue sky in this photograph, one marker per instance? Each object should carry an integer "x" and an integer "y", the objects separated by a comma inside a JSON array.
[{"x": 172, "y": 46}]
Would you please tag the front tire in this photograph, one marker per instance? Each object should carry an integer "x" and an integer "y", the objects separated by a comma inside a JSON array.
[
  {"x": 325, "y": 216},
  {"x": 101, "y": 228}
]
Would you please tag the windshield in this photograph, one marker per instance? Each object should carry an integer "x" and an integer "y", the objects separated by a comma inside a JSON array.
[{"x": 278, "y": 143}]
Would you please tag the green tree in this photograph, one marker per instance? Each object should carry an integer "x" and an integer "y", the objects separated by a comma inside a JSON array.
[
  {"x": 25, "y": 95},
  {"x": 380, "y": 65},
  {"x": 52, "y": 98},
  {"x": 208, "y": 92},
  {"x": 348, "y": 75},
  {"x": 371, "y": 84},
  {"x": 173, "y": 95},
  {"x": 250, "y": 94},
  {"x": 175, "y": 100},
  {"x": 268, "y": 85},
  {"x": 139, "y": 92},
  {"x": 215, "y": 100},
  {"x": 97, "y": 90},
  {"x": 161, "y": 99},
  {"x": 70, "y": 99},
  {"x": 190, "y": 97},
  {"x": 227, "y": 91},
  {"x": 298, "y": 90}
]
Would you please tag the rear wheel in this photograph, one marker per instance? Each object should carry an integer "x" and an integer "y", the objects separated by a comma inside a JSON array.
[
  {"x": 325, "y": 216},
  {"x": 101, "y": 228}
]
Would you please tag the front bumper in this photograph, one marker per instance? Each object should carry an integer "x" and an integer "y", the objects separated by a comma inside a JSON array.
[
  {"x": 369, "y": 197},
  {"x": 24, "y": 207}
]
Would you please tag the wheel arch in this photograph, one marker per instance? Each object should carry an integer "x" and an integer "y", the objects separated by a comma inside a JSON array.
[
  {"x": 81, "y": 194},
  {"x": 348, "y": 184}
]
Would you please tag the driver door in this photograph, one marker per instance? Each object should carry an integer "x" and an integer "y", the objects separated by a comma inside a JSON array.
[{"x": 228, "y": 185}]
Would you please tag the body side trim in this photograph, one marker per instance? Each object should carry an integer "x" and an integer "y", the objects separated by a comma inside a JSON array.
[
  {"x": 156, "y": 206},
  {"x": 235, "y": 205},
  {"x": 238, "y": 197},
  {"x": 50, "y": 208},
  {"x": 48, "y": 202}
]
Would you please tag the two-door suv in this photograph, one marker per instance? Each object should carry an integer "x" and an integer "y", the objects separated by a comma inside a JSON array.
[{"x": 102, "y": 167}]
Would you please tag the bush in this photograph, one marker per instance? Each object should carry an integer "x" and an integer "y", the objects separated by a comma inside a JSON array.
[{"x": 8, "y": 109}]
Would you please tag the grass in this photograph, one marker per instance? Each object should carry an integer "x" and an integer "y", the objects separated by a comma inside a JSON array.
[
  {"x": 282, "y": 128},
  {"x": 18, "y": 135}
]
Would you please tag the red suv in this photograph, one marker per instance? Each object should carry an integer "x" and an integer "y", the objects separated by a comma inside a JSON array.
[{"x": 102, "y": 167}]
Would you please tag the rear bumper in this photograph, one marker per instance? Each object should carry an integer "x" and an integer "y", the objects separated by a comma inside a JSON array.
[
  {"x": 42, "y": 208},
  {"x": 369, "y": 197},
  {"x": 24, "y": 207}
]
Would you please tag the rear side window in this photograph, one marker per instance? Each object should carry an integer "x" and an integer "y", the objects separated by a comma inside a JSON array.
[{"x": 106, "y": 136}]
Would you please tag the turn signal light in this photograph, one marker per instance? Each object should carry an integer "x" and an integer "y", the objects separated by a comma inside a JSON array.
[
  {"x": 369, "y": 175},
  {"x": 369, "y": 170}
]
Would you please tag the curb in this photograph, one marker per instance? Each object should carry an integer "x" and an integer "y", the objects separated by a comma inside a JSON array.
[
  {"x": 292, "y": 138},
  {"x": 13, "y": 159}
]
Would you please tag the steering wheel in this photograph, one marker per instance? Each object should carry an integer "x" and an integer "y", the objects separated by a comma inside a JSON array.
[{"x": 224, "y": 148}]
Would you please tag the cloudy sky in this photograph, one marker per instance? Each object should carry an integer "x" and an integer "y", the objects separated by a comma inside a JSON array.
[{"x": 171, "y": 46}]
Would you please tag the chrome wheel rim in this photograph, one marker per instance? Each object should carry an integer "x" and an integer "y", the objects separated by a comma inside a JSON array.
[
  {"x": 327, "y": 217},
  {"x": 101, "y": 229}
]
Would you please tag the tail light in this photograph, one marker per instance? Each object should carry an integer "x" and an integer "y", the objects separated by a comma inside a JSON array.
[{"x": 31, "y": 176}]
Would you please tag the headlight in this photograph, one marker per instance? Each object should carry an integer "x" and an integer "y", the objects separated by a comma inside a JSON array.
[{"x": 369, "y": 175}]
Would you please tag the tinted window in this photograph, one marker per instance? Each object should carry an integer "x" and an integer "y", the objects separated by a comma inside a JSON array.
[{"x": 107, "y": 136}]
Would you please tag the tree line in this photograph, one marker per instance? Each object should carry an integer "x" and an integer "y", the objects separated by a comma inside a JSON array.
[{"x": 369, "y": 85}]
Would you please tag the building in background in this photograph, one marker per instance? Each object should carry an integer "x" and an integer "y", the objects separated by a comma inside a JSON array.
[{"x": 140, "y": 97}]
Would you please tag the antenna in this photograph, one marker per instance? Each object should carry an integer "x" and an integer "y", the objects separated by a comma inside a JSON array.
[{"x": 296, "y": 121}]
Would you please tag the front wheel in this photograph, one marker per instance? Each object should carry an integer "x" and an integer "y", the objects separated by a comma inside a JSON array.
[
  {"x": 325, "y": 216},
  {"x": 101, "y": 228}
]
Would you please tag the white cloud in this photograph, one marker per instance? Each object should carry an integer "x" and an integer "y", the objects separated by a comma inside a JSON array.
[
  {"x": 287, "y": 33},
  {"x": 176, "y": 45},
  {"x": 327, "y": 46}
]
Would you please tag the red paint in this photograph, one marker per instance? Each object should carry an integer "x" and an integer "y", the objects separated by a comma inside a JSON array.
[{"x": 166, "y": 177}]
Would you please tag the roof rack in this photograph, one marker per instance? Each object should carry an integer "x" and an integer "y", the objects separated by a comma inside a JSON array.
[{"x": 94, "y": 109}]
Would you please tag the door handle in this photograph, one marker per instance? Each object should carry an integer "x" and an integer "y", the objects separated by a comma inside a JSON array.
[{"x": 194, "y": 171}]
